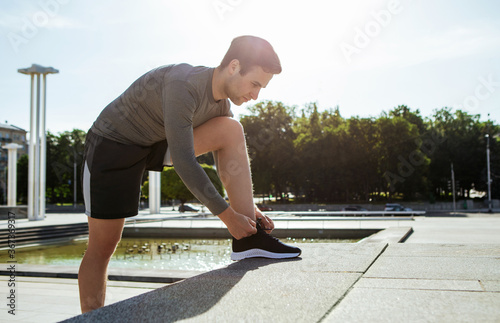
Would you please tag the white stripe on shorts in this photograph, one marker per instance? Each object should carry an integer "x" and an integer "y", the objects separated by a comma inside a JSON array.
[
  {"x": 167, "y": 159},
  {"x": 86, "y": 188}
]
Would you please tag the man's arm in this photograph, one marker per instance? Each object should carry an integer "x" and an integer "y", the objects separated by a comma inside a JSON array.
[{"x": 179, "y": 106}]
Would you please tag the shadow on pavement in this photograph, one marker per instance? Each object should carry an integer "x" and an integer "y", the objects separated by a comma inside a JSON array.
[{"x": 179, "y": 301}]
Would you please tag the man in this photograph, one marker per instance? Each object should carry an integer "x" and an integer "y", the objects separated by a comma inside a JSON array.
[{"x": 169, "y": 116}]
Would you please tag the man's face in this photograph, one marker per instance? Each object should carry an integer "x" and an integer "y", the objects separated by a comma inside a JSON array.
[{"x": 241, "y": 89}]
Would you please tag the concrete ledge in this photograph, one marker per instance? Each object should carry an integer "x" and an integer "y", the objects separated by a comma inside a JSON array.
[
  {"x": 115, "y": 274},
  {"x": 252, "y": 290},
  {"x": 223, "y": 233},
  {"x": 390, "y": 235}
]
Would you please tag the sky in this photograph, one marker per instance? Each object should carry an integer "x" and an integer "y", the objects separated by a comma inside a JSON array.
[{"x": 365, "y": 56}]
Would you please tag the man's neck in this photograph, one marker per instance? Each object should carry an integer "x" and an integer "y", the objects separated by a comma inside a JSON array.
[{"x": 218, "y": 85}]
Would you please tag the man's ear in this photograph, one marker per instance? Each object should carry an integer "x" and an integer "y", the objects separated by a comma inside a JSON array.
[{"x": 234, "y": 66}]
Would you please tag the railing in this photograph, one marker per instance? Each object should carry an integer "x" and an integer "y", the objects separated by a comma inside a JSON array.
[
  {"x": 349, "y": 213},
  {"x": 285, "y": 220}
]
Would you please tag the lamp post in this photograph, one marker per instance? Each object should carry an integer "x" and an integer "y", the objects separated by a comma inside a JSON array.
[
  {"x": 489, "y": 174},
  {"x": 453, "y": 188},
  {"x": 37, "y": 145}
]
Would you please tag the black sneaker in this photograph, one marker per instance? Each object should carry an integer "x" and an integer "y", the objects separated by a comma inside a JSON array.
[{"x": 263, "y": 245}]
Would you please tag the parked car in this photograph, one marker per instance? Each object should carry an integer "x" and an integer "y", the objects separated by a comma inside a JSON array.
[
  {"x": 355, "y": 208},
  {"x": 396, "y": 207},
  {"x": 187, "y": 208},
  {"x": 264, "y": 207}
]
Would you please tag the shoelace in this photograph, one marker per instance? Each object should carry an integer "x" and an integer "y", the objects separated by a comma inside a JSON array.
[{"x": 262, "y": 232}]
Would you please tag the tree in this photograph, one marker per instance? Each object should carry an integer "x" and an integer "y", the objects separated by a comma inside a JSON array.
[
  {"x": 463, "y": 144},
  {"x": 494, "y": 133},
  {"x": 310, "y": 173},
  {"x": 412, "y": 117},
  {"x": 396, "y": 145},
  {"x": 321, "y": 147},
  {"x": 361, "y": 157},
  {"x": 22, "y": 179},
  {"x": 63, "y": 150},
  {"x": 270, "y": 136}
]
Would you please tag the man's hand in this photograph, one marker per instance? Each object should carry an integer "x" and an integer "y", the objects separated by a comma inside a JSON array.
[
  {"x": 265, "y": 222},
  {"x": 239, "y": 225}
]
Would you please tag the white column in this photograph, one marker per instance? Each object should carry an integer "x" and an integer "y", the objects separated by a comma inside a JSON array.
[
  {"x": 43, "y": 150},
  {"x": 37, "y": 145},
  {"x": 32, "y": 200},
  {"x": 154, "y": 192},
  {"x": 489, "y": 174},
  {"x": 36, "y": 209},
  {"x": 36, "y": 183},
  {"x": 12, "y": 175}
]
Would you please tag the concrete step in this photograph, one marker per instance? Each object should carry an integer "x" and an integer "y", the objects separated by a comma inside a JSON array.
[{"x": 30, "y": 235}]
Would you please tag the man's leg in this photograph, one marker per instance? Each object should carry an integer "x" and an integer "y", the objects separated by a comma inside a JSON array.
[
  {"x": 226, "y": 136},
  {"x": 104, "y": 236}
]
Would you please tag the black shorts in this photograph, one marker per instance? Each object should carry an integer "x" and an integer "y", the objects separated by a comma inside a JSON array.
[{"x": 112, "y": 175}]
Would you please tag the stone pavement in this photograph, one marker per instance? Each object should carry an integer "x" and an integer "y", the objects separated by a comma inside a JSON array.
[
  {"x": 448, "y": 270},
  {"x": 367, "y": 282},
  {"x": 428, "y": 283},
  {"x": 40, "y": 299}
]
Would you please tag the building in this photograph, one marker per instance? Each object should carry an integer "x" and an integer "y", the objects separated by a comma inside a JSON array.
[
  {"x": 9, "y": 134},
  {"x": 12, "y": 134}
]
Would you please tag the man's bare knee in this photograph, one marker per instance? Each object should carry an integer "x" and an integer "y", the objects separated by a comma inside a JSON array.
[
  {"x": 102, "y": 251},
  {"x": 232, "y": 125},
  {"x": 218, "y": 133},
  {"x": 232, "y": 129},
  {"x": 104, "y": 236}
]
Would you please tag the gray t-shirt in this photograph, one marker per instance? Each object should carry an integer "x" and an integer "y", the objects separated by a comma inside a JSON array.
[{"x": 167, "y": 103}]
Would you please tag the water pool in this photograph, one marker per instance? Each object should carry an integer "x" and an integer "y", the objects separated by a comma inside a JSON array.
[{"x": 145, "y": 253}]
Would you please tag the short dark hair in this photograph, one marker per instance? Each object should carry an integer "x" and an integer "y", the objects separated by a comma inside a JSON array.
[{"x": 252, "y": 51}]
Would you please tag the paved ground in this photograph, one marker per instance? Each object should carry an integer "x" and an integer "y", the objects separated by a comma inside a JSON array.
[
  {"x": 448, "y": 270},
  {"x": 40, "y": 299}
]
